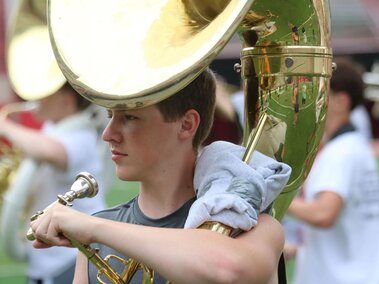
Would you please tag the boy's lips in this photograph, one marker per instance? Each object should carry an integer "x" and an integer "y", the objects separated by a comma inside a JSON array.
[{"x": 117, "y": 155}]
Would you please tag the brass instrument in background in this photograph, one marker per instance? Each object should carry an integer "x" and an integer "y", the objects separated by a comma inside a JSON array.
[
  {"x": 286, "y": 63},
  {"x": 10, "y": 156},
  {"x": 16, "y": 173},
  {"x": 31, "y": 66},
  {"x": 32, "y": 69},
  {"x": 33, "y": 74},
  {"x": 10, "y": 159}
]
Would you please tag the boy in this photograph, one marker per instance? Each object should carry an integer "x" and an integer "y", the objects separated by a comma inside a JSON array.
[{"x": 158, "y": 145}]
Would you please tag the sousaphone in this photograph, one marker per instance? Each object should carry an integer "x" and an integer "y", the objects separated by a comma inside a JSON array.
[{"x": 131, "y": 54}]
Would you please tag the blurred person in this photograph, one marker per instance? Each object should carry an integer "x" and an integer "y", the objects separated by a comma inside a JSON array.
[
  {"x": 360, "y": 115},
  {"x": 375, "y": 114},
  {"x": 66, "y": 145},
  {"x": 360, "y": 118},
  {"x": 340, "y": 207},
  {"x": 226, "y": 126},
  {"x": 158, "y": 145},
  {"x": 293, "y": 234},
  {"x": 237, "y": 99},
  {"x": 371, "y": 79}
]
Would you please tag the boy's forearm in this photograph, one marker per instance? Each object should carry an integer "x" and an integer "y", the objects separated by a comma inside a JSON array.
[
  {"x": 193, "y": 255},
  {"x": 180, "y": 255}
]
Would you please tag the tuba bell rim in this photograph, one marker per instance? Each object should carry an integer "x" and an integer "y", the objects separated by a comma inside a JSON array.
[{"x": 161, "y": 79}]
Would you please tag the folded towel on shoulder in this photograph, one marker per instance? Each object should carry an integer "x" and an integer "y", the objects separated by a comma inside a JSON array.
[{"x": 231, "y": 191}]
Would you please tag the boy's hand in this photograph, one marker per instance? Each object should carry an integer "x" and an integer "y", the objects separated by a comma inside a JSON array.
[{"x": 59, "y": 224}]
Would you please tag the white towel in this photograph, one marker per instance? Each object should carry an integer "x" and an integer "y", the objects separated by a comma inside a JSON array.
[{"x": 232, "y": 192}]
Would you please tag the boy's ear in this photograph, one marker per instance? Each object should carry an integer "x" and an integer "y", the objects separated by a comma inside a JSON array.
[{"x": 190, "y": 123}]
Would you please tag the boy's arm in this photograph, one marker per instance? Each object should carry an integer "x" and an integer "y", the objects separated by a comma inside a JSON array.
[
  {"x": 200, "y": 256},
  {"x": 180, "y": 255}
]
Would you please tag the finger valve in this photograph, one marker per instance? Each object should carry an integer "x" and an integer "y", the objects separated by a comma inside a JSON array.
[{"x": 35, "y": 216}]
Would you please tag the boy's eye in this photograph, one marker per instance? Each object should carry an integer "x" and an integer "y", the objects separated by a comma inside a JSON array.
[
  {"x": 130, "y": 117},
  {"x": 121, "y": 115}
]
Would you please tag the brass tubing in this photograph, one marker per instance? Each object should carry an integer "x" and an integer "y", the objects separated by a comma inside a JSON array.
[
  {"x": 103, "y": 267},
  {"x": 254, "y": 138}
]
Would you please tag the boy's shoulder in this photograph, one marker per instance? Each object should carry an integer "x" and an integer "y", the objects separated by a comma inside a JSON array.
[{"x": 113, "y": 212}]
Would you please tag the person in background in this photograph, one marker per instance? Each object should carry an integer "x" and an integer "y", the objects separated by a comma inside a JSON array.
[
  {"x": 340, "y": 208},
  {"x": 360, "y": 115},
  {"x": 66, "y": 145},
  {"x": 226, "y": 126},
  {"x": 360, "y": 118}
]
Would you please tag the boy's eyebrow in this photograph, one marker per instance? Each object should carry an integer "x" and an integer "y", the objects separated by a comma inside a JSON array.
[{"x": 122, "y": 111}]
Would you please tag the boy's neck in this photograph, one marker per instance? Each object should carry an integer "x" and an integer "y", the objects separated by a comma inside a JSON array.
[
  {"x": 160, "y": 207},
  {"x": 168, "y": 193}
]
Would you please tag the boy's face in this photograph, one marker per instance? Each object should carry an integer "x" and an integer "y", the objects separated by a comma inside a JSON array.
[{"x": 141, "y": 143}]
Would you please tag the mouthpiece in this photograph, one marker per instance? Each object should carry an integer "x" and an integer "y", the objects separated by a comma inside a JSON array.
[{"x": 85, "y": 185}]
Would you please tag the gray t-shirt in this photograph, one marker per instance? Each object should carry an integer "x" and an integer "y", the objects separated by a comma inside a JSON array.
[{"x": 131, "y": 213}]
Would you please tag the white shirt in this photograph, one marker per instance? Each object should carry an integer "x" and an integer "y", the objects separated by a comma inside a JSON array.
[
  {"x": 360, "y": 118},
  {"x": 348, "y": 252},
  {"x": 238, "y": 103}
]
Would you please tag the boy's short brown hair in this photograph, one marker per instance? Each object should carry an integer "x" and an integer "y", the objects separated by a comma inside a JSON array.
[{"x": 199, "y": 95}]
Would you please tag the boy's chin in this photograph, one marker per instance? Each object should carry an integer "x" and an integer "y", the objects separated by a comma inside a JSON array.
[{"x": 125, "y": 176}]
